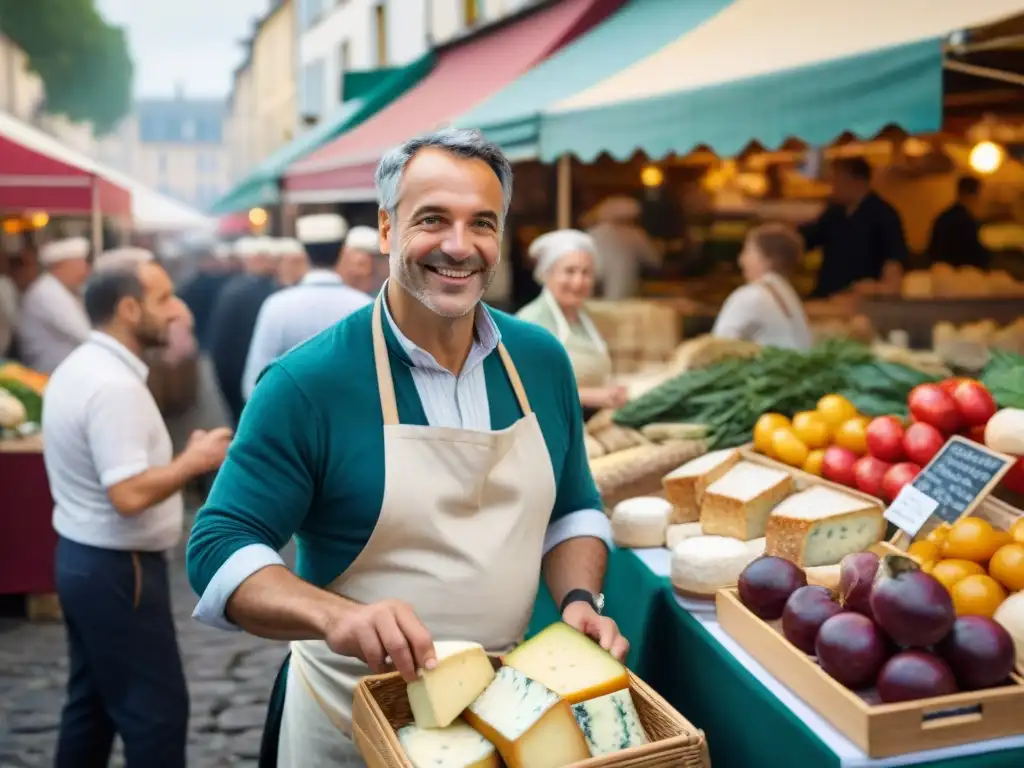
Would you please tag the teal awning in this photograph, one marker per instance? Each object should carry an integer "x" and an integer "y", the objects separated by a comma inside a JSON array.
[
  {"x": 367, "y": 93},
  {"x": 512, "y": 116},
  {"x": 768, "y": 71}
]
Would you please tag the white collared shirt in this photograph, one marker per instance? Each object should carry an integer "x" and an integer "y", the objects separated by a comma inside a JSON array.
[
  {"x": 52, "y": 322},
  {"x": 448, "y": 400},
  {"x": 101, "y": 426},
  {"x": 292, "y": 316}
]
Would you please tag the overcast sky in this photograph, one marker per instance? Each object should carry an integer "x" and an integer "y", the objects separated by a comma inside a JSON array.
[{"x": 191, "y": 42}]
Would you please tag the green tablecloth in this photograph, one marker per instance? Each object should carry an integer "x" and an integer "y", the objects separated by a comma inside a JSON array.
[{"x": 746, "y": 725}]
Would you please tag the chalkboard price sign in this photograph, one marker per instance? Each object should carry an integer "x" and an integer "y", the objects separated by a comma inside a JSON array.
[{"x": 956, "y": 480}]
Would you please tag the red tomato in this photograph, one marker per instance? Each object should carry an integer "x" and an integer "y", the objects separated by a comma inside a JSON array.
[
  {"x": 897, "y": 477},
  {"x": 1014, "y": 479},
  {"x": 974, "y": 402},
  {"x": 869, "y": 473},
  {"x": 837, "y": 465},
  {"x": 931, "y": 404},
  {"x": 885, "y": 438},
  {"x": 921, "y": 442},
  {"x": 950, "y": 384}
]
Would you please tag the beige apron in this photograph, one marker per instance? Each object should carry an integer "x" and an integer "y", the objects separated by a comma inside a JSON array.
[
  {"x": 589, "y": 356},
  {"x": 459, "y": 537}
]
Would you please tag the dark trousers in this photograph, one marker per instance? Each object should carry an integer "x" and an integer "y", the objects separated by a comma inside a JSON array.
[{"x": 125, "y": 672}]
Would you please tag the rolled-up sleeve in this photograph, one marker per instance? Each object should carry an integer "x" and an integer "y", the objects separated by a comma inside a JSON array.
[
  {"x": 118, "y": 437},
  {"x": 261, "y": 495},
  {"x": 578, "y": 510}
]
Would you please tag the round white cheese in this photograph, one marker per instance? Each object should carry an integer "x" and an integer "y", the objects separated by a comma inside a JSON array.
[
  {"x": 641, "y": 522},
  {"x": 757, "y": 546},
  {"x": 705, "y": 564},
  {"x": 680, "y": 532}
]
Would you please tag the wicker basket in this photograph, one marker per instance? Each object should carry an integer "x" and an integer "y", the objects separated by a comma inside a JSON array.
[{"x": 381, "y": 706}]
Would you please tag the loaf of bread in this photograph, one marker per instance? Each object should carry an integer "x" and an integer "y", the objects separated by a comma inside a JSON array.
[
  {"x": 685, "y": 486},
  {"x": 739, "y": 503},
  {"x": 820, "y": 526}
]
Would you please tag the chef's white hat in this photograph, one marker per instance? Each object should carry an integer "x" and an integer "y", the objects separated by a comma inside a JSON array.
[
  {"x": 363, "y": 239},
  {"x": 63, "y": 250},
  {"x": 547, "y": 249},
  {"x": 247, "y": 247},
  {"x": 122, "y": 258},
  {"x": 321, "y": 228},
  {"x": 288, "y": 246}
]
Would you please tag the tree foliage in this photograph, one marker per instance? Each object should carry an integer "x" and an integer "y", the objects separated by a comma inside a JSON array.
[{"x": 84, "y": 62}]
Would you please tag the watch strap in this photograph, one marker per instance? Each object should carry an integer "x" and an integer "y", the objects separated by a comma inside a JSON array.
[{"x": 579, "y": 596}]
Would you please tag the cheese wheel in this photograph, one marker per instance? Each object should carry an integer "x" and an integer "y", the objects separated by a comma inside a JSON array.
[
  {"x": 677, "y": 533},
  {"x": 756, "y": 547},
  {"x": 641, "y": 522},
  {"x": 705, "y": 564}
]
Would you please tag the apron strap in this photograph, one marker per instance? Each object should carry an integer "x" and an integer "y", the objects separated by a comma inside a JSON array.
[
  {"x": 777, "y": 297},
  {"x": 386, "y": 384}
]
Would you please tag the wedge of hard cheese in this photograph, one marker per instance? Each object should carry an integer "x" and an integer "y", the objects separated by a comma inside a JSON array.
[
  {"x": 685, "y": 486},
  {"x": 456, "y": 746},
  {"x": 569, "y": 663},
  {"x": 610, "y": 723},
  {"x": 527, "y": 722},
  {"x": 820, "y": 526},
  {"x": 738, "y": 503},
  {"x": 440, "y": 694}
]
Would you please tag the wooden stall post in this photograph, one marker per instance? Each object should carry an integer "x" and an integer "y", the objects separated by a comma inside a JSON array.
[{"x": 564, "y": 211}]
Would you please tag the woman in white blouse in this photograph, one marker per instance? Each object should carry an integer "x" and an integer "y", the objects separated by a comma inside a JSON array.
[
  {"x": 566, "y": 265},
  {"x": 767, "y": 310}
]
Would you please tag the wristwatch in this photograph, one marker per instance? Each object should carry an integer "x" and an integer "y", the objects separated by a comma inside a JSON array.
[{"x": 583, "y": 596}]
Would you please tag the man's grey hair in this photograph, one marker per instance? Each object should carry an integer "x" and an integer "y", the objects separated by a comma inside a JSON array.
[{"x": 460, "y": 142}]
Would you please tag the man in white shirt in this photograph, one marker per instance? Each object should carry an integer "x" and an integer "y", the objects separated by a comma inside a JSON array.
[
  {"x": 292, "y": 264},
  {"x": 360, "y": 258},
  {"x": 118, "y": 509},
  {"x": 320, "y": 300},
  {"x": 52, "y": 321}
]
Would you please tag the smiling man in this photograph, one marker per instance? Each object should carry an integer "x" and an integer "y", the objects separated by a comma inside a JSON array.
[{"x": 426, "y": 453}]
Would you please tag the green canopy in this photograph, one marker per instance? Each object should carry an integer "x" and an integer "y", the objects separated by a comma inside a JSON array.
[
  {"x": 512, "y": 116},
  {"x": 367, "y": 93}
]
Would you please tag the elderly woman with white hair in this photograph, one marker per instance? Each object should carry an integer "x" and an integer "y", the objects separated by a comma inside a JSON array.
[{"x": 566, "y": 266}]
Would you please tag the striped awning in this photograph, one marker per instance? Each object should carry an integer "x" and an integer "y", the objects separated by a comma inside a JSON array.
[{"x": 771, "y": 70}]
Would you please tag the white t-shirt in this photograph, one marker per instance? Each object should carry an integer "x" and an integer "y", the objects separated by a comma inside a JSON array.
[
  {"x": 52, "y": 322},
  {"x": 768, "y": 312},
  {"x": 101, "y": 426},
  {"x": 8, "y": 313}
]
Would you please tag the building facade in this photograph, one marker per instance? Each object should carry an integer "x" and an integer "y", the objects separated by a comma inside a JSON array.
[
  {"x": 450, "y": 19},
  {"x": 273, "y": 79},
  {"x": 175, "y": 146},
  {"x": 241, "y": 121}
]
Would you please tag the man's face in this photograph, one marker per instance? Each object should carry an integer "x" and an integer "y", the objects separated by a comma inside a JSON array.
[
  {"x": 444, "y": 238},
  {"x": 847, "y": 189},
  {"x": 72, "y": 273},
  {"x": 150, "y": 322},
  {"x": 356, "y": 268},
  {"x": 291, "y": 268}
]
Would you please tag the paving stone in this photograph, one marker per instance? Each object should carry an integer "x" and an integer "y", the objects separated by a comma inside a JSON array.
[{"x": 236, "y": 719}]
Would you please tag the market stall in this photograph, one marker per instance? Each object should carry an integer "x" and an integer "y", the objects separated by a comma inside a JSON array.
[{"x": 805, "y": 447}]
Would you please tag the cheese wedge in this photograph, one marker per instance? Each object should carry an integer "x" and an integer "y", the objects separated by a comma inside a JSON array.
[
  {"x": 820, "y": 526},
  {"x": 528, "y": 723},
  {"x": 456, "y": 746},
  {"x": 738, "y": 504},
  {"x": 569, "y": 663},
  {"x": 610, "y": 723},
  {"x": 684, "y": 487},
  {"x": 440, "y": 694}
]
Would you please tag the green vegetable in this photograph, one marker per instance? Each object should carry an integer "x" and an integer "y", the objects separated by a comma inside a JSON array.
[
  {"x": 29, "y": 398},
  {"x": 731, "y": 396},
  {"x": 1004, "y": 377}
]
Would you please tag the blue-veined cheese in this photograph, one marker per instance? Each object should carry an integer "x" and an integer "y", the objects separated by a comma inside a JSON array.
[
  {"x": 456, "y": 746},
  {"x": 531, "y": 726},
  {"x": 439, "y": 695},
  {"x": 610, "y": 723},
  {"x": 569, "y": 663}
]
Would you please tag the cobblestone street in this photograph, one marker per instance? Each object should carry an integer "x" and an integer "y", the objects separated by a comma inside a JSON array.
[{"x": 229, "y": 676}]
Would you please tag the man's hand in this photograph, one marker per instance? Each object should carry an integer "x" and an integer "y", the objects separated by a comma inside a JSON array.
[
  {"x": 389, "y": 628},
  {"x": 205, "y": 451},
  {"x": 604, "y": 630}
]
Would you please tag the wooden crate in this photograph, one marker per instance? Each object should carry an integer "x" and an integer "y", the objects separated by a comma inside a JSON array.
[
  {"x": 381, "y": 707},
  {"x": 880, "y": 730}
]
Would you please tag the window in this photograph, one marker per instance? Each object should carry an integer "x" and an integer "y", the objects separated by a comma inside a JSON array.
[
  {"x": 344, "y": 63},
  {"x": 312, "y": 91},
  {"x": 471, "y": 12},
  {"x": 310, "y": 12},
  {"x": 381, "y": 22},
  {"x": 188, "y": 130}
]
